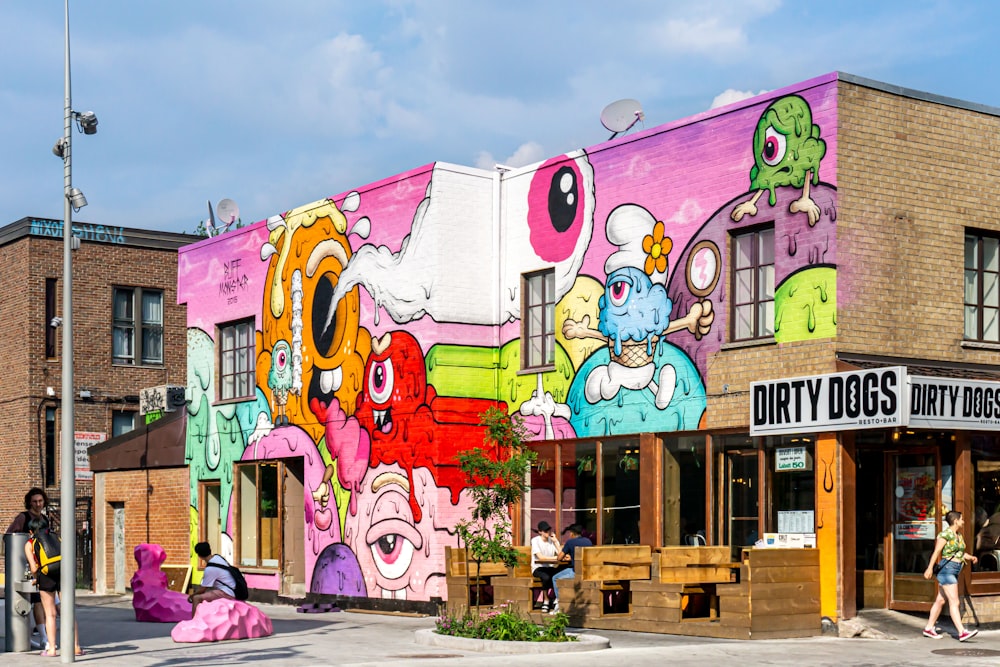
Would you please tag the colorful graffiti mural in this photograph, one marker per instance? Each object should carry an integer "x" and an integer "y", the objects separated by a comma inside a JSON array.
[{"x": 387, "y": 319}]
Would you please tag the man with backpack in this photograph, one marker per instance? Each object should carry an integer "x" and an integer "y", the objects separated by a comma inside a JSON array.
[{"x": 219, "y": 580}]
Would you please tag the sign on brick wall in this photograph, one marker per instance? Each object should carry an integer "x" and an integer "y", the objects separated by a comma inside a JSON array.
[{"x": 82, "y": 440}]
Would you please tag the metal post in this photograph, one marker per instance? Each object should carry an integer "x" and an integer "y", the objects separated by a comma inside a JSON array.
[{"x": 67, "y": 494}]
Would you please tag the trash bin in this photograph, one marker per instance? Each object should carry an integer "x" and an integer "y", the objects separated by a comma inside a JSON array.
[{"x": 18, "y": 589}]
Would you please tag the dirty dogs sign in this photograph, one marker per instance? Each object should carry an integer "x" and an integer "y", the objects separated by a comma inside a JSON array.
[{"x": 836, "y": 402}]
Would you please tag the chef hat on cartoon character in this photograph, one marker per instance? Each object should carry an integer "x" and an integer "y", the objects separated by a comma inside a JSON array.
[{"x": 634, "y": 230}]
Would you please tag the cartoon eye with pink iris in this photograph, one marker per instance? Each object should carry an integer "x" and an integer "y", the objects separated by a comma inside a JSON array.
[
  {"x": 392, "y": 543},
  {"x": 381, "y": 380},
  {"x": 774, "y": 148},
  {"x": 618, "y": 292}
]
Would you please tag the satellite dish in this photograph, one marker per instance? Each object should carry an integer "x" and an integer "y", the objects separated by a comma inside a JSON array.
[
  {"x": 228, "y": 212},
  {"x": 620, "y": 116}
]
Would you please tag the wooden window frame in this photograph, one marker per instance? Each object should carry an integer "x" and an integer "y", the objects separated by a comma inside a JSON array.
[
  {"x": 545, "y": 309},
  {"x": 758, "y": 329},
  {"x": 981, "y": 274}
]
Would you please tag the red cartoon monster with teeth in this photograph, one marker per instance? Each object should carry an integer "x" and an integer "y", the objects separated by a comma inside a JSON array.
[{"x": 413, "y": 491}]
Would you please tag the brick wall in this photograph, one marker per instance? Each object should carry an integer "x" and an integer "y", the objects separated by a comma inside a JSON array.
[
  {"x": 167, "y": 522},
  {"x": 26, "y": 264},
  {"x": 912, "y": 176}
]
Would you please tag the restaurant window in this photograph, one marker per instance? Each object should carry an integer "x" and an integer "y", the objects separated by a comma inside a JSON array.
[
  {"x": 684, "y": 491},
  {"x": 137, "y": 326},
  {"x": 579, "y": 501},
  {"x": 791, "y": 488},
  {"x": 543, "y": 485},
  {"x": 753, "y": 284},
  {"x": 982, "y": 287},
  {"x": 597, "y": 487},
  {"x": 538, "y": 332},
  {"x": 52, "y": 322},
  {"x": 259, "y": 528},
  {"x": 237, "y": 360},
  {"x": 986, "y": 503},
  {"x": 620, "y": 491}
]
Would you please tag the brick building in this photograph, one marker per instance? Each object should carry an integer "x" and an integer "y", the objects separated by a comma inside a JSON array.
[
  {"x": 129, "y": 333},
  {"x": 746, "y": 327}
]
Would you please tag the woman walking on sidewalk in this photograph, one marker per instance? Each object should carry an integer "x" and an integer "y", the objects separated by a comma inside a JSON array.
[{"x": 950, "y": 550}]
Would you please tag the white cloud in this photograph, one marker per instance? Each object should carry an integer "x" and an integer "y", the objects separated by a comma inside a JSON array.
[
  {"x": 527, "y": 153},
  {"x": 730, "y": 95}
]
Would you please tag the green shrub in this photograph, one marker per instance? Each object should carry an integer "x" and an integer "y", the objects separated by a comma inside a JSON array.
[{"x": 504, "y": 624}]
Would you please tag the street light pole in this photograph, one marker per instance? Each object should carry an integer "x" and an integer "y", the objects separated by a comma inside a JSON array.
[{"x": 67, "y": 492}]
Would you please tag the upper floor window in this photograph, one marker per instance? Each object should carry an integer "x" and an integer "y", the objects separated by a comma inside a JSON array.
[
  {"x": 236, "y": 358},
  {"x": 538, "y": 332},
  {"x": 51, "y": 321},
  {"x": 753, "y": 284},
  {"x": 137, "y": 327},
  {"x": 982, "y": 279}
]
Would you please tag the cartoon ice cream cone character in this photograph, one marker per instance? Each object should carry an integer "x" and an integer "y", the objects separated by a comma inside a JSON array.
[{"x": 635, "y": 310}]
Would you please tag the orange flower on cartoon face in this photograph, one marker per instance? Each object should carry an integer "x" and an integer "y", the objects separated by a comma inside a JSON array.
[{"x": 656, "y": 248}]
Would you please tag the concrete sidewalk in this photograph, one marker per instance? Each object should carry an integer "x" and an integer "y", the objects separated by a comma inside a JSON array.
[{"x": 111, "y": 636}]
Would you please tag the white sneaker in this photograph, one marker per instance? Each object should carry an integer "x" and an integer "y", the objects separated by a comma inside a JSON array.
[{"x": 555, "y": 607}]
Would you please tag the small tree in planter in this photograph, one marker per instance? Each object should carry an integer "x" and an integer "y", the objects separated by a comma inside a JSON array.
[{"x": 497, "y": 477}]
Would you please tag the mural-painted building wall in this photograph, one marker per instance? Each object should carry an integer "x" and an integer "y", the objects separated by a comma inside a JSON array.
[{"x": 383, "y": 321}]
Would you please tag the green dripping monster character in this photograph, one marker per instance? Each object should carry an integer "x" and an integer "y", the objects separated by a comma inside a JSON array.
[{"x": 787, "y": 151}]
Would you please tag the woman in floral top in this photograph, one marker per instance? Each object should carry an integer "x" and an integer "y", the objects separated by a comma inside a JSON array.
[{"x": 950, "y": 550}]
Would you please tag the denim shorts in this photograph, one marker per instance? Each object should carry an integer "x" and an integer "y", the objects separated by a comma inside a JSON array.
[{"x": 948, "y": 575}]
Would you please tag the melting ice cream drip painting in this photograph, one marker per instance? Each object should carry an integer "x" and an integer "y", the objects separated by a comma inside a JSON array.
[
  {"x": 635, "y": 310},
  {"x": 787, "y": 150}
]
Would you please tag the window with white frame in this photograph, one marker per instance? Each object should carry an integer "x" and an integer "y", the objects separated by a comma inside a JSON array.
[
  {"x": 538, "y": 333},
  {"x": 753, "y": 284},
  {"x": 137, "y": 326},
  {"x": 982, "y": 287},
  {"x": 236, "y": 360}
]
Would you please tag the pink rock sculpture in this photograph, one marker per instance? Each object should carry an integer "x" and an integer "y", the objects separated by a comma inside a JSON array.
[
  {"x": 222, "y": 619},
  {"x": 151, "y": 599}
]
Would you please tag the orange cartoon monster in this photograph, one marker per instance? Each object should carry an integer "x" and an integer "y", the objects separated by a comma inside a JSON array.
[{"x": 308, "y": 250}]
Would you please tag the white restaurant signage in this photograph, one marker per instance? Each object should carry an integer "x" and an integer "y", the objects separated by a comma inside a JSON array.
[
  {"x": 834, "y": 402},
  {"x": 872, "y": 398},
  {"x": 954, "y": 403}
]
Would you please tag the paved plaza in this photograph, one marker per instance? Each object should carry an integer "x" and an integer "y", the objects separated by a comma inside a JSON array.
[{"x": 111, "y": 636}]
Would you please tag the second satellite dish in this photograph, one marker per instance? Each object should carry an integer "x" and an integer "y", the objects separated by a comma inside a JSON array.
[
  {"x": 620, "y": 116},
  {"x": 228, "y": 212}
]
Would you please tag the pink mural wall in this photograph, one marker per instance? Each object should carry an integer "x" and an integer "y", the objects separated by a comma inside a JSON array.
[{"x": 387, "y": 318}]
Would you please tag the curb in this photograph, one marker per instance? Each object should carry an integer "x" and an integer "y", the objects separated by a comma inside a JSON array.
[{"x": 429, "y": 637}]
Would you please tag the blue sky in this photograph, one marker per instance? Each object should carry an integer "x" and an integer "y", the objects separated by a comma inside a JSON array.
[{"x": 276, "y": 105}]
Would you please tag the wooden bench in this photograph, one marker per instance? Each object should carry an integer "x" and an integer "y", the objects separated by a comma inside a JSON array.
[
  {"x": 770, "y": 594},
  {"x": 466, "y": 591},
  {"x": 682, "y": 586},
  {"x": 519, "y": 587},
  {"x": 777, "y": 595},
  {"x": 600, "y": 595}
]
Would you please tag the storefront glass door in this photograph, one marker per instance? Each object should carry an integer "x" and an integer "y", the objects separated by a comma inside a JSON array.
[
  {"x": 742, "y": 498},
  {"x": 914, "y": 521}
]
